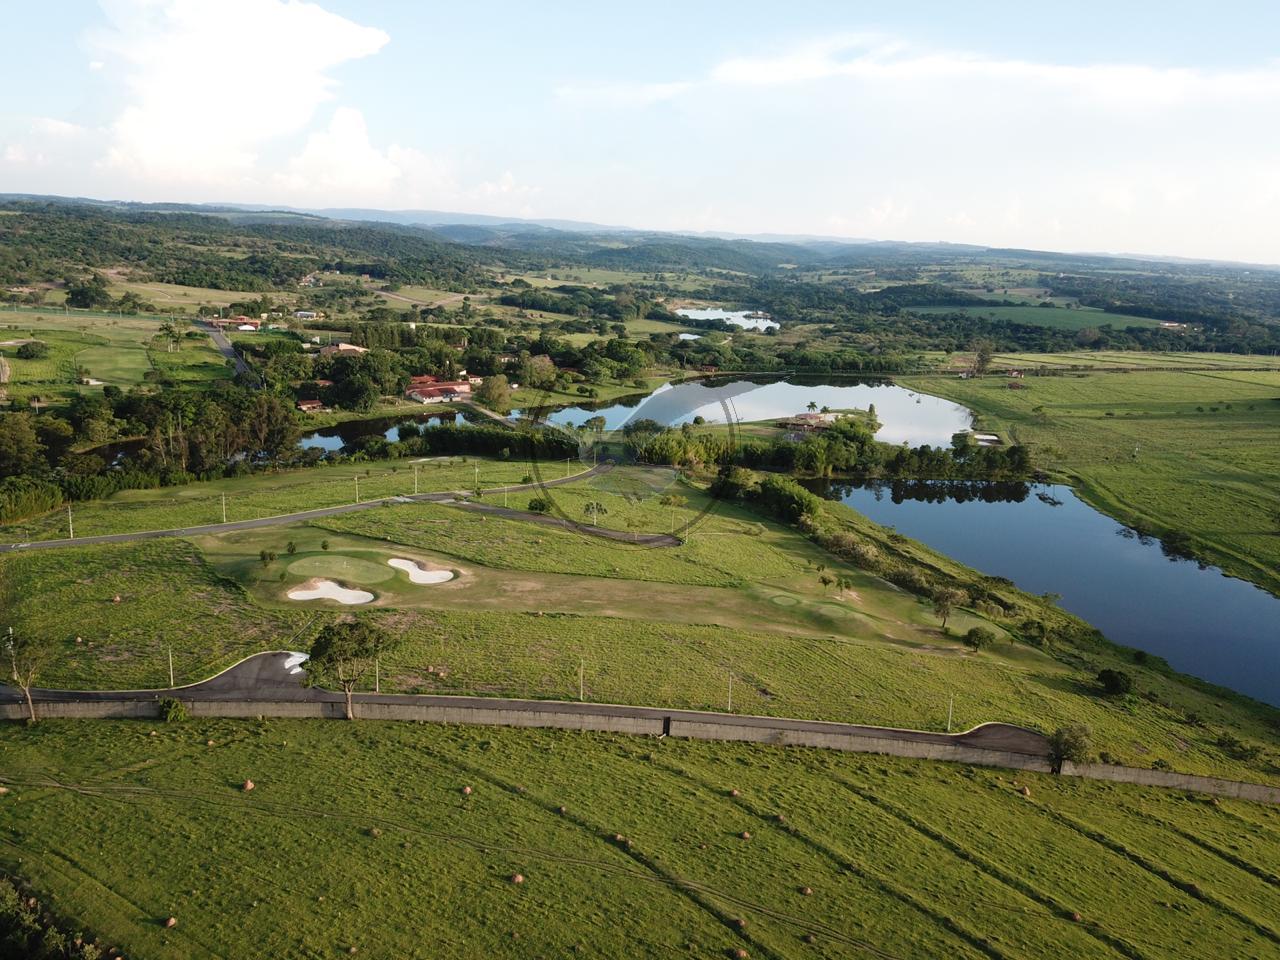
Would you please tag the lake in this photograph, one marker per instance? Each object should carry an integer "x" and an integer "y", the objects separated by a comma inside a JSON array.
[
  {"x": 747, "y": 319},
  {"x": 1224, "y": 630},
  {"x": 342, "y": 437},
  {"x": 906, "y": 416}
]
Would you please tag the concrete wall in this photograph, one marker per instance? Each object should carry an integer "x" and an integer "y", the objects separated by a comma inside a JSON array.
[{"x": 694, "y": 728}]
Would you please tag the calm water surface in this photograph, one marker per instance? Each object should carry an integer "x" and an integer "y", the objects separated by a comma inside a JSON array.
[{"x": 1216, "y": 627}]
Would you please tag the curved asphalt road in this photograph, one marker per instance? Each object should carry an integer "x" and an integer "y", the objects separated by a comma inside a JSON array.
[{"x": 450, "y": 497}]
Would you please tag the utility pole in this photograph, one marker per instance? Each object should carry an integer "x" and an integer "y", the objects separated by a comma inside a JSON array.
[
  {"x": 581, "y": 694},
  {"x": 224, "y": 508},
  {"x": 377, "y": 675},
  {"x": 415, "y": 478},
  {"x": 566, "y": 465},
  {"x": 171, "y": 668},
  {"x": 71, "y": 530},
  {"x": 477, "y": 478},
  {"x": 731, "y": 692},
  {"x": 357, "y": 479},
  {"x": 950, "y": 708}
]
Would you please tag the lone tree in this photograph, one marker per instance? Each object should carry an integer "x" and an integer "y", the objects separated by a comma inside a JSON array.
[
  {"x": 495, "y": 393},
  {"x": 27, "y": 654},
  {"x": 944, "y": 602},
  {"x": 979, "y": 637},
  {"x": 1072, "y": 743},
  {"x": 345, "y": 653}
]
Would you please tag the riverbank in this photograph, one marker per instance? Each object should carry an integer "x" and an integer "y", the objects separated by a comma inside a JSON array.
[{"x": 1190, "y": 455}]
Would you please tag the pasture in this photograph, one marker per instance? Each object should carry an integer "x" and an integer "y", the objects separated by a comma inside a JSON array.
[{"x": 621, "y": 846}]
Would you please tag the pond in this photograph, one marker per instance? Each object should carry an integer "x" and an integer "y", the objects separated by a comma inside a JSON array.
[
  {"x": 342, "y": 437},
  {"x": 747, "y": 319},
  {"x": 905, "y": 416},
  {"x": 1224, "y": 630}
]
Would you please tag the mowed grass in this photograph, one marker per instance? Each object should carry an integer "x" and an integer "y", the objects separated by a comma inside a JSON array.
[
  {"x": 264, "y": 495},
  {"x": 1193, "y": 451},
  {"x": 1127, "y": 360},
  {"x": 358, "y": 836},
  {"x": 117, "y": 350},
  {"x": 1059, "y": 318}
]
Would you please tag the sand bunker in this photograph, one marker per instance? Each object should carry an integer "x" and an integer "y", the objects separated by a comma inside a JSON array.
[
  {"x": 420, "y": 574},
  {"x": 321, "y": 589}
]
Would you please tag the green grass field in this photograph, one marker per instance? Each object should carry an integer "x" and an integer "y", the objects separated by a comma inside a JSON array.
[
  {"x": 116, "y": 350},
  {"x": 265, "y": 495},
  {"x": 532, "y": 604},
  {"x": 1193, "y": 451},
  {"x": 1059, "y": 318},
  {"x": 358, "y": 836}
]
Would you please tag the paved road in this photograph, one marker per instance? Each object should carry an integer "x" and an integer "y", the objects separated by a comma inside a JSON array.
[
  {"x": 279, "y": 676},
  {"x": 452, "y": 497},
  {"x": 222, "y": 343}
]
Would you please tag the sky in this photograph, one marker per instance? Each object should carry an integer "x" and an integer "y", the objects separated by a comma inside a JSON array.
[{"x": 1138, "y": 128}]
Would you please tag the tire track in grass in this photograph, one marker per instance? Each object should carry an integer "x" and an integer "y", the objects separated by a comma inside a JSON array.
[
  {"x": 1054, "y": 909},
  {"x": 695, "y": 893},
  {"x": 845, "y": 863},
  {"x": 1184, "y": 886},
  {"x": 1209, "y": 847}
]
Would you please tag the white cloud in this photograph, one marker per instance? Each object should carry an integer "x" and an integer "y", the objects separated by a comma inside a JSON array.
[
  {"x": 210, "y": 84},
  {"x": 340, "y": 161},
  {"x": 877, "y": 58}
]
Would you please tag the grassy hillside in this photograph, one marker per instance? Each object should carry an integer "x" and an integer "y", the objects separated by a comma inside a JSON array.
[
  {"x": 358, "y": 837},
  {"x": 531, "y": 605},
  {"x": 1166, "y": 451}
]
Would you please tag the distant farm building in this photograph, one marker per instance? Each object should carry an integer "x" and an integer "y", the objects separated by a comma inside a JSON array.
[
  {"x": 342, "y": 350},
  {"x": 808, "y": 421},
  {"x": 310, "y": 406},
  {"x": 304, "y": 314},
  {"x": 237, "y": 323},
  {"x": 429, "y": 389},
  {"x": 987, "y": 439}
]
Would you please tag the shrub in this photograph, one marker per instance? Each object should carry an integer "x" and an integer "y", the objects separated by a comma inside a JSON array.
[
  {"x": 979, "y": 637},
  {"x": 173, "y": 710},
  {"x": 1115, "y": 683},
  {"x": 33, "y": 350},
  {"x": 1073, "y": 743},
  {"x": 539, "y": 505}
]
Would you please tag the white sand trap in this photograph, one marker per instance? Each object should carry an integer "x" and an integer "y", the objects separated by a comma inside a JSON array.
[
  {"x": 321, "y": 589},
  {"x": 418, "y": 573}
]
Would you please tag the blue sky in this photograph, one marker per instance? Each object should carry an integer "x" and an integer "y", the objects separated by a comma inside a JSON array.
[{"x": 1136, "y": 127}]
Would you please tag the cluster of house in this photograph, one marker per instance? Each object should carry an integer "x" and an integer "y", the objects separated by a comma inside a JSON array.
[{"x": 429, "y": 389}]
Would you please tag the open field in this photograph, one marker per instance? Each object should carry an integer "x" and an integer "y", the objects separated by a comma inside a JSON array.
[
  {"x": 120, "y": 351},
  {"x": 625, "y": 847},
  {"x": 600, "y": 277},
  {"x": 1134, "y": 360},
  {"x": 264, "y": 495},
  {"x": 183, "y": 299},
  {"x": 533, "y": 604},
  {"x": 1193, "y": 452},
  {"x": 1060, "y": 318}
]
